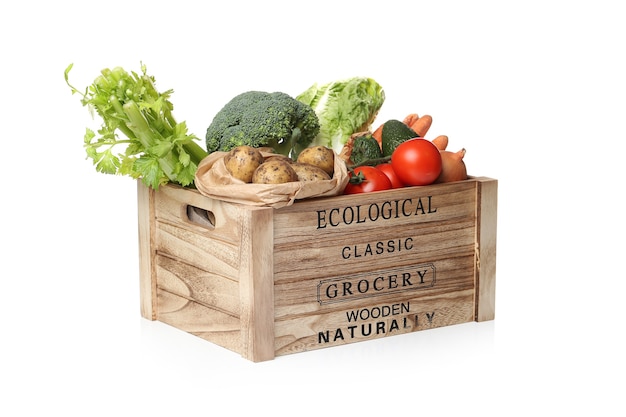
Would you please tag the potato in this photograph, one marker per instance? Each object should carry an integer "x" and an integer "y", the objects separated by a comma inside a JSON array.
[
  {"x": 242, "y": 161},
  {"x": 319, "y": 156},
  {"x": 278, "y": 156},
  {"x": 308, "y": 172},
  {"x": 274, "y": 171}
]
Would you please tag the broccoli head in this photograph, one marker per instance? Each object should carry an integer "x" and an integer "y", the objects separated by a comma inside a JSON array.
[{"x": 262, "y": 119}]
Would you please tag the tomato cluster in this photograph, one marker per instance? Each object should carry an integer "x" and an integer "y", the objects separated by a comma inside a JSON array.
[{"x": 414, "y": 162}]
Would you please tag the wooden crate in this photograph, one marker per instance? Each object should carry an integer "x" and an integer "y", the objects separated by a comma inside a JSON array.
[{"x": 266, "y": 282}]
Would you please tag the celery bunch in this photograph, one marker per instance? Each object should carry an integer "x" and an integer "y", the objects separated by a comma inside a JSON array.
[{"x": 156, "y": 148}]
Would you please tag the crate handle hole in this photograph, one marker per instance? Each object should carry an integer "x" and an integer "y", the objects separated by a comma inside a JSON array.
[{"x": 201, "y": 216}]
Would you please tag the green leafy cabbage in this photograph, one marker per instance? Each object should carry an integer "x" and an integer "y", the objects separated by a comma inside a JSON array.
[{"x": 343, "y": 107}]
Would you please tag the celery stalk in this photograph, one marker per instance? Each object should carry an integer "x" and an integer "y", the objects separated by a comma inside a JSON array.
[{"x": 158, "y": 149}]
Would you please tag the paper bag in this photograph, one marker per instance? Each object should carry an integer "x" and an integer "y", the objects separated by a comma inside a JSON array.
[{"x": 213, "y": 180}]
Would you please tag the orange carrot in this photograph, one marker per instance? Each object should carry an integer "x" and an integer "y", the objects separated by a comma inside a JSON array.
[
  {"x": 378, "y": 135},
  {"x": 421, "y": 125},
  {"x": 410, "y": 119},
  {"x": 441, "y": 142}
]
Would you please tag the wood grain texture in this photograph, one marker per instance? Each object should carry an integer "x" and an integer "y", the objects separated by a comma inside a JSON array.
[
  {"x": 256, "y": 284},
  {"x": 487, "y": 240},
  {"x": 434, "y": 225},
  {"x": 147, "y": 271},
  {"x": 200, "y": 320},
  {"x": 264, "y": 282},
  {"x": 332, "y": 328},
  {"x": 185, "y": 280},
  {"x": 223, "y": 267}
]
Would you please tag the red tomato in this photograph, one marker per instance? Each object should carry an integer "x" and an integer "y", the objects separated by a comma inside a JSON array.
[
  {"x": 391, "y": 174},
  {"x": 416, "y": 162},
  {"x": 366, "y": 180}
]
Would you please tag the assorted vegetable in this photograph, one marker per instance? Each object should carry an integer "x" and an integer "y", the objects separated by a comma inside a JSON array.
[
  {"x": 274, "y": 171},
  {"x": 319, "y": 156},
  {"x": 394, "y": 132},
  {"x": 420, "y": 125},
  {"x": 308, "y": 172},
  {"x": 260, "y": 166},
  {"x": 241, "y": 162},
  {"x": 365, "y": 148},
  {"x": 388, "y": 170},
  {"x": 156, "y": 147},
  {"x": 343, "y": 108},
  {"x": 267, "y": 138},
  {"x": 258, "y": 119},
  {"x": 452, "y": 166},
  {"x": 366, "y": 179},
  {"x": 405, "y": 155},
  {"x": 441, "y": 142},
  {"x": 416, "y": 162}
]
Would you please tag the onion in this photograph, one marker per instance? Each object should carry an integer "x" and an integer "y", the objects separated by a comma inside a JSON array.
[{"x": 452, "y": 166}]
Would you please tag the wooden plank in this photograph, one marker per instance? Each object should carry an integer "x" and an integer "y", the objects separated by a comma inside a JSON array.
[
  {"x": 373, "y": 231},
  {"x": 374, "y": 320},
  {"x": 173, "y": 201},
  {"x": 200, "y": 320},
  {"x": 147, "y": 252},
  {"x": 309, "y": 295},
  {"x": 195, "y": 284},
  {"x": 486, "y": 249},
  {"x": 201, "y": 250},
  {"x": 304, "y": 311},
  {"x": 256, "y": 284}
]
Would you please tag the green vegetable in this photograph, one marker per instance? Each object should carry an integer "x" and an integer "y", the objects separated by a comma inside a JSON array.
[
  {"x": 394, "y": 133},
  {"x": 262, "y": 119},
  {"x": 365, "y": 148},
  {"x": 157, "y": 148},
  {"x": 344, "y": 107}
]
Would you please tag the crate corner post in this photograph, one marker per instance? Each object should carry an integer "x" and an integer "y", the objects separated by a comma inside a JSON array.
[
  {"x": 146, "y": 230},
  {"x": 256, "y": 285},
  {"x": 486, "y": 249}
]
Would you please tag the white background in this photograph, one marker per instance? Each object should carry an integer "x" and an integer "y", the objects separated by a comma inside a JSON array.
[{"x": 534, "y": 90}]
